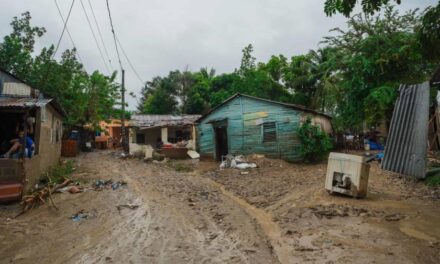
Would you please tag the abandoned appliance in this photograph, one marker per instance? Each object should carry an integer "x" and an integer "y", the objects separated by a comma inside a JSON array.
[{"x": 347, "y": 174}]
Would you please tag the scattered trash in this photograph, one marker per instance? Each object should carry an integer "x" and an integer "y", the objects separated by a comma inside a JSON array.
[
  {"x": 238, "y": 162},
  {"x": 82, "y": 214},
  {"x": 243, "y": 166},
  {"x": 129, "y": 206},
  {"x": 193, "y": 154},
  {"x": 74, "y": 189},
  {"x": 244, "y": 172},
  {"x": 107, "y": 184}
]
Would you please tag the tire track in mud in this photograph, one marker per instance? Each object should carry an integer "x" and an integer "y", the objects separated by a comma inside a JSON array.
[
  {"x": 180, "y": 226},
  {"x": 269, "y": 227}
]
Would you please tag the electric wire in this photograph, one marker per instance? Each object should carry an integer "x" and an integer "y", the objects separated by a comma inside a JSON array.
[
  {"x": 114, "y": 35},
  {"x": 129, "y": 62},
  {"x": 94, "y": 37},
  {"x": 100, "y": 34},
  {"x": 64, "y": 29},
  {"x": 68, "y": 32}
]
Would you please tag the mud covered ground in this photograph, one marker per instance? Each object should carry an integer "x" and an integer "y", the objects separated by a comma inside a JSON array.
[
  {"x": 398, "y": 222},
  {"x": 195, "y": 213}
]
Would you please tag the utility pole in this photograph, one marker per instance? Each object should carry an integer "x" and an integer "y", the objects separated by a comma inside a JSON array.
[{"x": 123, "y": 134}]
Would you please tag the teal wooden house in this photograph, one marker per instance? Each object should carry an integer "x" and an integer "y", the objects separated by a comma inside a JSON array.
[{"x": 245, "y": 125}]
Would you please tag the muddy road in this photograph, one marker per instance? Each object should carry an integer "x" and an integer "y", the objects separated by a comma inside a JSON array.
[{"x": 195, "y": 213}]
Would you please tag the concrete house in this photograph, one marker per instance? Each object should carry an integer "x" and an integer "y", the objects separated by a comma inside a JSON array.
[
  {"x": 245, "y": 124},
  {"x": 23, "y": 107},
  {"x": 145, "y": 130}
]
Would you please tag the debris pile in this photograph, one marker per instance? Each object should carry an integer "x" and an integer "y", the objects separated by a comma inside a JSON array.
[
  {"x": 238, "y": 162},
  {"x": 40, "y": 196},
  {"x": 100, "y": 185}
]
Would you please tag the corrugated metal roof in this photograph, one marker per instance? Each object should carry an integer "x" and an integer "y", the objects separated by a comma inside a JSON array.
[
  {"x": 22, "y": 102},
  {"x": 293, "y": 106},
  {"x": 405, "y": 150},
  {"x": 149, "y": 121}
]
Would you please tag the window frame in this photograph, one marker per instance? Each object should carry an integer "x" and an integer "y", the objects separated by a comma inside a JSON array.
[{"x": 269, "y": 132}]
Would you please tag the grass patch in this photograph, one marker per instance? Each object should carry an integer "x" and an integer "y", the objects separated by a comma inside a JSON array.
[
  {"x": 181, "y": 167},
  {"x": 58, "y": 173},
  {"x": 433, "y": 180}
]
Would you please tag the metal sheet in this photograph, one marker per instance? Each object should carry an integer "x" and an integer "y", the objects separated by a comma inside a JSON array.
[
  {"x": 150, "y": 121},
  {"x": 26, "y": 102},
  {"x": 405, "y": 151}
]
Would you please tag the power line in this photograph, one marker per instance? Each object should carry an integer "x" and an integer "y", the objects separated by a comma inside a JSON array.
[
  {"x": 94, "y": 37},
  {"x": 68, "y": 32},
  {"x": 114, "y": 35},
  {"x": 99, "y": 32},
  {"x": 64, "y": 28},
  {"x": 124, "y": 138},
  {"x": 129, "y": 62}
]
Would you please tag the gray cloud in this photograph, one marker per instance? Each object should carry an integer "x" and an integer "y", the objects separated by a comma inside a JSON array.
[{"x": 163, "y": 35}]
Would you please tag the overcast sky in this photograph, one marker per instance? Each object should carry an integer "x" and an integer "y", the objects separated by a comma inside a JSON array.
[{"x": 163, "y": 35}]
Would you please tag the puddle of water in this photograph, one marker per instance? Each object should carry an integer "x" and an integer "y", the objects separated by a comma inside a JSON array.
[{"x": 426, "y": 228}]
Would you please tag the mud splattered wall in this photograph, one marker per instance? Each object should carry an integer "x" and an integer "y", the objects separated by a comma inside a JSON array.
[{"x": 253, "y": 126}]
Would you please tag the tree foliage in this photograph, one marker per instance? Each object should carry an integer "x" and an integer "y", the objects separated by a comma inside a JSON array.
[
  {"x": 315, "y": 143},
  {"x": 345, "y": 7},
  {"x": 87, "y": 98},
  {"x": 354, "y": 75}
]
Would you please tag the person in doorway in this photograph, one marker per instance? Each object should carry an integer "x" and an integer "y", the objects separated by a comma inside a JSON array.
[
  {"x": 159, "y": 143},
  {"x": 18, "y": 144}
]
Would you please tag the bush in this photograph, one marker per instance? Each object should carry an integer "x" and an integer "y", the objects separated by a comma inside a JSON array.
[
  {"x": 315, "y": 143},
  {"x": 58, "y": 173}
]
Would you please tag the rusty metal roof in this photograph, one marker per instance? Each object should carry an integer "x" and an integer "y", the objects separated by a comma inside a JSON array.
[
  {"x": 22, "y": 102},
  {"x": 150, "y": 121},
  {"x": 29, "y": 102}
]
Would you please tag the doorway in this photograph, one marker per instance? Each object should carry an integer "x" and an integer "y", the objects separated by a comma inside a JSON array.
[{"x": 221, "y": 141}]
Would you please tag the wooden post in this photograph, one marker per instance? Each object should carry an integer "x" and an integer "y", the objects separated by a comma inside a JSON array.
[{"x": 123, "y": 134}]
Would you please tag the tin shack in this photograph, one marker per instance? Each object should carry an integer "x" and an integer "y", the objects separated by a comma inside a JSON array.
[{"x": 245, "y": 124}]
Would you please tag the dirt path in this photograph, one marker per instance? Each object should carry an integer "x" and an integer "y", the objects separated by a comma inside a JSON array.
[
  {"x": 180, "y": 219},
  {"x": 278, "y": 213},
  {"x": 398, "y": 222}
]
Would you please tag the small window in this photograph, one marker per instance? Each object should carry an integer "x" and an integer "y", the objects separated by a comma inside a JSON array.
[
  {"x": 269, "y": 132},
  {"x": 140, "y": 138}
]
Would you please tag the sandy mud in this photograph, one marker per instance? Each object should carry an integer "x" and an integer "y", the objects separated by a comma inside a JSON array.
[{"x": 185, "y": 212}]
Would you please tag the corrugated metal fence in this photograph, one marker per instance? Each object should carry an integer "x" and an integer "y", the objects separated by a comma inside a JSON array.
[{"x": 405, "y": 151}]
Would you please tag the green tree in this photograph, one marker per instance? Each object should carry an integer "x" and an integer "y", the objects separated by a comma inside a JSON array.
[
  {"x": 345, "y": 7},
  {"x": 373, "y": 56},
  {"x": 162, "y": 98},
  {"x": 86, "y": 99}
]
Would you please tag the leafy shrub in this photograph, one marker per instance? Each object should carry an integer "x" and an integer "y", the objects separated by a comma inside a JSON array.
[
  {"x": 58, "y": 173},
  {"x": 315, "y": 143}
]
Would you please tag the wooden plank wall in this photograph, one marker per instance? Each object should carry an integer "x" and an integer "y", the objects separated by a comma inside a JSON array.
[{"x": 245, "y": 117}]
